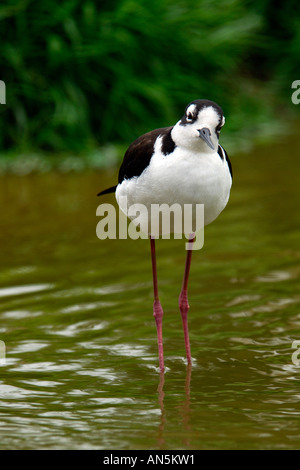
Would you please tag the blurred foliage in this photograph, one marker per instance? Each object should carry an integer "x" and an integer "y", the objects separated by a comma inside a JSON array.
[{"x": 80, "y": 74}]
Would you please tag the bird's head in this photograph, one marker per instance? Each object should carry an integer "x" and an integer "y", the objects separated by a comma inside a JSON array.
[{"x": 200, "y": 126}]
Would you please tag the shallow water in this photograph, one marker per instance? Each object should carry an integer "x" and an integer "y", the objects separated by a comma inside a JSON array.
[{"x": 76, "y": 318}]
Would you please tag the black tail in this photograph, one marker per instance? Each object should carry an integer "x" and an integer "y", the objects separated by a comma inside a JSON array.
[{"x": 108, "y": 190}]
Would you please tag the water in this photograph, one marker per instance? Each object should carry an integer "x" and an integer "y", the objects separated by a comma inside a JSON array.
[{"x": 76, "y": 319}]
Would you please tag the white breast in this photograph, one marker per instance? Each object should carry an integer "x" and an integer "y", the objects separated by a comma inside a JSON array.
[{"x": 180, "y": 177}]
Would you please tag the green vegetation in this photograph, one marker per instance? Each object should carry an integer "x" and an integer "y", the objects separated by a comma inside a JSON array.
[{"x": 82, "y": 75}]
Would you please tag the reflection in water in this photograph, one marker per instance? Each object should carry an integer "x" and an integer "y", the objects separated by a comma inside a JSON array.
[{"x": 183, "y": 409}]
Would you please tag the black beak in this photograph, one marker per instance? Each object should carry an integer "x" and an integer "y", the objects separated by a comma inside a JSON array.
[{"x": 204, "y": 133}]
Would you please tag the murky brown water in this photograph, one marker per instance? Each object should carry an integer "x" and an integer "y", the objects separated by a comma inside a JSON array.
[{"x": 76, "y": 318}]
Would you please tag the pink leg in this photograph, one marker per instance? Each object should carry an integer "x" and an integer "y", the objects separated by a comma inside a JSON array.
[
  {"x": 157, "y": 308},
  {"x": 183, "y": 301}
]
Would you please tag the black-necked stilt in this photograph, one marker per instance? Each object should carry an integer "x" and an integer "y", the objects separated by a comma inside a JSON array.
[{"x": 181, "y": 164}]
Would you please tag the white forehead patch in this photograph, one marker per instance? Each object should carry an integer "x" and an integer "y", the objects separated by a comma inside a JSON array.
[
  {"x": 209, "y": 113},
  {"x": 209, "y": 117},
  {"x": 223, "y": 121}
]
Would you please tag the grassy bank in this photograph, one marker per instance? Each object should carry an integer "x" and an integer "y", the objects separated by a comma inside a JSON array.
[{"x": 86, "y": 78}]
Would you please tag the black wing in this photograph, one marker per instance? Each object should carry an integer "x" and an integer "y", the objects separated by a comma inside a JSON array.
[{"x": 139, "y": 153}]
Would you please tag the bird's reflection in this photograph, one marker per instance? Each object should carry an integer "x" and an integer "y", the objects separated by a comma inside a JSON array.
[{"x": 184, "y": 407}]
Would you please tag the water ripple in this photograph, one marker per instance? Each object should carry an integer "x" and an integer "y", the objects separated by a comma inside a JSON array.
[
  {"x": 274, "y": 276},
  {"x": 25, "y": 289}
]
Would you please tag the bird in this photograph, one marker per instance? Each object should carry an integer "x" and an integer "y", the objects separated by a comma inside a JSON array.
[{"x": 182, "y": 164}]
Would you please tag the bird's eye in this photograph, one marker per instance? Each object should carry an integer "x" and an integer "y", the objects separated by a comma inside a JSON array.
[
  {"x": 218, "y": 129},
  {"x": 220, "y": 125},
  {"x": 189, "y": 117}
]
